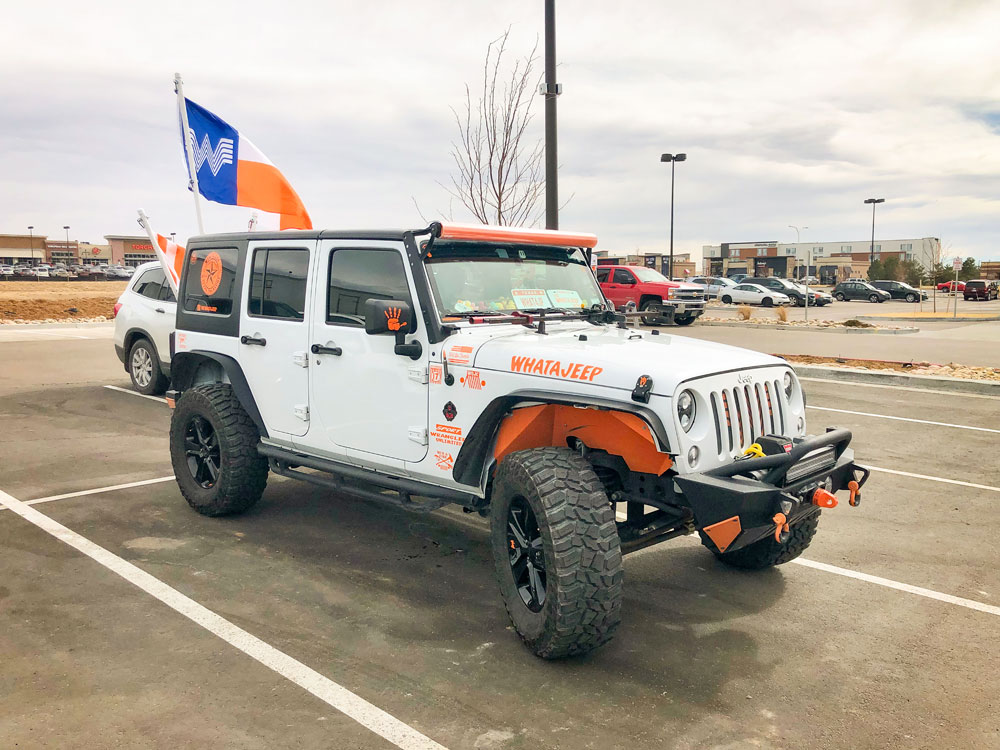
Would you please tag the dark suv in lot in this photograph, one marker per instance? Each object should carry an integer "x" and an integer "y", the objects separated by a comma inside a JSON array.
[
  {"x": 796, "y": 293},
  {"x": 900, "y": 290},
  {"x": 980, "y": 289},
  {"x": 848, "y": 290}
]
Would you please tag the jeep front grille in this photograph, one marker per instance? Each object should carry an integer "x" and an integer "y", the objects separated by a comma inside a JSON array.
[{"x": 745, "y": 412}]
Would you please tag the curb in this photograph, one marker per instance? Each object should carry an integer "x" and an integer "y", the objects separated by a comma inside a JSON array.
[
  {"x": 928, "y": 382},
  {"x": 932, "y": 320},
  {"x": 779, "y": 327}
]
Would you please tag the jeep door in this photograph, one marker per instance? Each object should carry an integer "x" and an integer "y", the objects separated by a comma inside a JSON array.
[
  {"x": 274, "y": 337},
  {"x": 365, "y": 398}
]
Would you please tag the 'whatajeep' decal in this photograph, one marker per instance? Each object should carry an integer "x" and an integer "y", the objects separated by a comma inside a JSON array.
[{"x": 555, "y": 368}]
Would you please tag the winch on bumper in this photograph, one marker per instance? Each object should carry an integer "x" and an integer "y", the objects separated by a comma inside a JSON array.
[{"x": 745, "y": 501}]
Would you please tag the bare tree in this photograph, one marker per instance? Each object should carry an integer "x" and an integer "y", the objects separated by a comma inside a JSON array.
[{"x": 499, "y": 171}]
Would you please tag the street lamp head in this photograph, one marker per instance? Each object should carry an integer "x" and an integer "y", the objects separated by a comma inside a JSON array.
[
  {"x": 673, "y": 157},
  {"x": 680, "y": 157},
  {"x": 874, "y": 200},
  {"x": 66, "y": 227},
  {"x": 30, "y": 228}
]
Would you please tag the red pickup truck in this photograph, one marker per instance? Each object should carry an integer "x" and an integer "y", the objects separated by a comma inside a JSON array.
[{"x": 667, "y": 301}]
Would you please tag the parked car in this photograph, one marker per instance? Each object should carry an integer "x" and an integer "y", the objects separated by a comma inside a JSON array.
[
  {"x": 951, "y": 286},
  {"x": 41, "y": 272},
  {"x": 900, "y": 290},
  {"x": 810, "y": 280},
  {"x": 144, "y": 319},
  {"x": 816, "y": 297},
  {"x": 739, "y": 278},
  {"x": 60, "y": 273},
  {"x": 713, "y": 285},
  {"x": 667, "y": 301},
  {"x": 980, "y": 289},
  {"x": 848, "y": 290},
  {"x": 6, "y": 270},
  {"x": 794, "y": 292},
  {"x": 754, "y": 294}
]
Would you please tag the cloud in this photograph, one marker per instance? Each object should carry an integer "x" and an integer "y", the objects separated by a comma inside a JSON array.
[{"x": 791, "y": 113}]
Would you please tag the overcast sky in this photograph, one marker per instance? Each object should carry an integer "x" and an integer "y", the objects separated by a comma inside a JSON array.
[{"x": 790, "y": 113}]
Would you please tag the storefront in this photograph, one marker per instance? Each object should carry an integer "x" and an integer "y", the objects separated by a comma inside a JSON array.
[
  {"x": 130, "y": 251},
  {"x": 22, "y": 249}
]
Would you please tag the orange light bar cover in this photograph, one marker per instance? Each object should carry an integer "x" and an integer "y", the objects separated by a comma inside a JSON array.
[{"x": 516, "y": 234}]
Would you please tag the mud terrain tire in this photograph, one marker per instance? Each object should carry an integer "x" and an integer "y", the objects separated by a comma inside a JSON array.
[
  {"x": 574, "y": 535},
  {"x": 767, "y": 552},
  {"x": 213, "y": 449}
]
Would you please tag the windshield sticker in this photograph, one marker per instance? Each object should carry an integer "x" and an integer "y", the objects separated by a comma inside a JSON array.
[
  {"x": 529, "y": 298},
  {"x": 565, "y": 298},
  {"x": 555, "y": 368}
]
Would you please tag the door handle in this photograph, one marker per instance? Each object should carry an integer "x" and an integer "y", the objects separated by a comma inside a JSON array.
[
  {"x": 251, "y": 341},
  {"x": 160, "y": 310},
  {"x": 336, "y": 351}
]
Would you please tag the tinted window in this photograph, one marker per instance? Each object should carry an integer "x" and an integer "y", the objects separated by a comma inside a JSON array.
[
  {"x": 602, "y": 275},
  {"x": 623, "y": 277},
  {"x": 278, "y": 284},
  {"x": 975, "y": 284},
  {"x": 150, "y": 282},
  {"x": 210, "y": 284},
  {"x": 357, "y": 275},
  {"x": 747, "y": 288}
]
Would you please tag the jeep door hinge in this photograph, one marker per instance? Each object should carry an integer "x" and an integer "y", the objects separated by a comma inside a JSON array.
[
  {"x": 418, "y": 374},
  {"x": 301, "y": 359},
  {"x": 418, "y": 435},
  {"x": 302, "y": 412}
]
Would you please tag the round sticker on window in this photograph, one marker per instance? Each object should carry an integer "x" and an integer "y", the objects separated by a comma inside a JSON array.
[{"x": 211, "y": 274}]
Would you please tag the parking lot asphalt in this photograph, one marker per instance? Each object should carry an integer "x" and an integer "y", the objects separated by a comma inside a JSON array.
[{"x": 874, "y": 641}]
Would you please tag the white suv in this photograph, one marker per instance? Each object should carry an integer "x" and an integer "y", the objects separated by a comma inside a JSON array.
[{"x": 144, "y": 320}]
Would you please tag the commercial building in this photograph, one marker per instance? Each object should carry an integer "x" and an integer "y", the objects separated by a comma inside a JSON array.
[
  {"x": 830, "y": 261},
  {"x": 683, "y": 265},
  {"x": 130, "y": 250},
  {"x": 24, "y": 249},
  {"x": 62, "y": 251},
  {"x": 990, "y": 269}
]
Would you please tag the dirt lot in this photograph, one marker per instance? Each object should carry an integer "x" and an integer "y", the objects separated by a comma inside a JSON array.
[{"x": 42, "y": 300}]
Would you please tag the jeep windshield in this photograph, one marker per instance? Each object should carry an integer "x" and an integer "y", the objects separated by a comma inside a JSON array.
[{"x": 483, "y": 277}]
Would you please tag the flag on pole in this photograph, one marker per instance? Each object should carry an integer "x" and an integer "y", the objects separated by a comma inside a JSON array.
[
  {"x": 230, "y": 169},
  {"x": 168, "y": 252}
]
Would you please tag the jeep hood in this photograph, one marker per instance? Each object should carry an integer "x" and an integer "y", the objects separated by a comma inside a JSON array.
[{"x": 608, "y": 356}]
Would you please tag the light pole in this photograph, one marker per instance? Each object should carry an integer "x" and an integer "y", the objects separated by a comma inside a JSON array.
[
  {"x": 808, "y": 264},
  {"x": 874, "y": 202},
  {"x": 673, "y": 159},
  {"x": 31, "y": 243},
  {"x": 67, "y": 237},
  {"x": 797, "y": 240},
  {"x": 551, "y": 89}
]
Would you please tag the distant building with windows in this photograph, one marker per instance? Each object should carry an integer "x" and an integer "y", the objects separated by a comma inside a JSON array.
[
  {"x": 830, "y": 261},
  {"x": 129, "y": 250}
]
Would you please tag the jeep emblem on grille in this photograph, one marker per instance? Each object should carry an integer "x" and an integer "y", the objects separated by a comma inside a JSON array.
[{"x": 743, "y": 378}]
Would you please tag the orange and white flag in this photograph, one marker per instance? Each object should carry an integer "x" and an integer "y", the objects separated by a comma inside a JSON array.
[{"x": 171, "y": 257}]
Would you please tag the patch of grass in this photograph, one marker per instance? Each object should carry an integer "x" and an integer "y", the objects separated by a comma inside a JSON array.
[
  {"x": 744, "y": 311},
  {"x": 781, "y": 313},
  {"x": 855, "y": 323}
]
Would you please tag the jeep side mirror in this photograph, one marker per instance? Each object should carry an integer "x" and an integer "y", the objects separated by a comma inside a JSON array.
[{"x": 395, "y": 317}]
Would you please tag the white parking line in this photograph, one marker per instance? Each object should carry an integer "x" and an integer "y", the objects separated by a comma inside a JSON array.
[
  {"x": 338, "y": 697},
  {"x": 898, "y": 419},
  {"x": 934, "y": 479},
  {"x": 133, "y": 393},
  {"x": 97, "y": 491},
  {"x": 901, "y": 388},
  {"x": 947, "y": 598}
]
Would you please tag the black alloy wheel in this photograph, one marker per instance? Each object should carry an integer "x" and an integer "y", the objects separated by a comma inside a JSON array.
[
  {"x": 527, "y": 558},
  {"x": 201, "y": 448}
]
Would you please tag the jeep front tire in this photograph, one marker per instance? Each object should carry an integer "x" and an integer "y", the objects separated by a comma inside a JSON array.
[
  {"x": 213, "y": 449},
  {"x": 556, "y": 551},
  {"x": 768, "y": 552}
]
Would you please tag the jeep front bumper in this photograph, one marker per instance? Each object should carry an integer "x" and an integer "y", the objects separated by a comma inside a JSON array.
[{"x": 752, "y": 498}]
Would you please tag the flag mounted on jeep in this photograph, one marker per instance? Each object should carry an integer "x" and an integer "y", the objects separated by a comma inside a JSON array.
[{"x": 226, "y": 167}]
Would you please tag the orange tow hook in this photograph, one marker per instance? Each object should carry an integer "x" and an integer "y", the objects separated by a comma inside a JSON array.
[
  {"x": 780, "y": 527},
  {"x": 855, "y": 492},
  {"x": 824, "y": 499}
]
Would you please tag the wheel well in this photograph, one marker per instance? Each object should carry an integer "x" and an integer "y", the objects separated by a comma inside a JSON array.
[
  {"x": 203, "y": 367},
  {"x": 528, "y": 419},
  {"x": 649, "y": 298},
  {"x": 134, "y": 335}
]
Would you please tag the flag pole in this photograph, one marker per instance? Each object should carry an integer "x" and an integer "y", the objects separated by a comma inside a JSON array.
[
  {"x": 188, "y": 151},
  {"x": 144, "y": 223}
]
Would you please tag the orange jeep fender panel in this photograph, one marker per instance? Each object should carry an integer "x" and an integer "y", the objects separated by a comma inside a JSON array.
[{"x": 617, "y": 432}]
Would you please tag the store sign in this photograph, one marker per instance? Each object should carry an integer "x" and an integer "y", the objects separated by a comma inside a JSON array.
[
  {"x": 96, "y": 251},
  {"x": 138, "y": 246}
]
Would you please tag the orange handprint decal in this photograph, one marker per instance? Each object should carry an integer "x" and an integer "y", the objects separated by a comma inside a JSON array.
[{"x": 392, "y": 315}]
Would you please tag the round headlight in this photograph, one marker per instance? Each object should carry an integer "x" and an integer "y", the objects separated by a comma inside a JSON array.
[
  {"x": 685, "y": 410},
  {"x": 788, "y": 384}
]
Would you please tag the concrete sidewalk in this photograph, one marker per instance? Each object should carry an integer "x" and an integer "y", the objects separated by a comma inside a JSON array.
[{"x": 937, "y": 342}]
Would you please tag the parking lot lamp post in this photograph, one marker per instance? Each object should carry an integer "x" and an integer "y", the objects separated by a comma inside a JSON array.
[
  {"x": 673, "y": 159},
  {"x": 67, "y": 237},
  {"x": 874, "y": 202},
  {"x": 31, "y": 243}
]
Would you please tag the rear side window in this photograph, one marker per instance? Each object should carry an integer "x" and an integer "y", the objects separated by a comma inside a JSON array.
[
  {"x": 210, "y": 284},
  {"x": 150, "y": 283},
  {"x": 278, "y": 283},
  {"x": 975, "y": 284},
  {"x": 357, "y": 275}
]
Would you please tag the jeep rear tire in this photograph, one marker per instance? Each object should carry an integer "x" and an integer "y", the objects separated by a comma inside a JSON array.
[
  {"x": 767, "y": 552},
  {"x": 556, "y": 551},
  {"x": 144, "y": 369},
  {"x": 213, "y": 449}
]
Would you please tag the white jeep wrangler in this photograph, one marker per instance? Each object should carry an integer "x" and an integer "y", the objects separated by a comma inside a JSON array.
[{"x": 483, "y": 366}]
